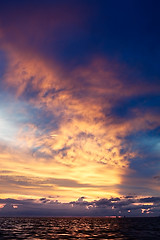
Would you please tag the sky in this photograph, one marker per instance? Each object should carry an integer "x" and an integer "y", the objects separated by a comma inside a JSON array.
[{"x": 79, "y": 108}]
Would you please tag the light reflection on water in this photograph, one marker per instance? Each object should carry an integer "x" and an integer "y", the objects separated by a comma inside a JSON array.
[{"x": 80, "y": 228}]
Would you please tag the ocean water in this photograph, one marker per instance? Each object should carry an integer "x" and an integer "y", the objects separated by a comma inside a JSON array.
[{"x": 80, "y": 228}]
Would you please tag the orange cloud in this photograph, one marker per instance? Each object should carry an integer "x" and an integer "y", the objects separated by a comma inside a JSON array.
[{"x": 85, "y": 146}]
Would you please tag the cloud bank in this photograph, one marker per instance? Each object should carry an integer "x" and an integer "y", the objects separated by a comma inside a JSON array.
[{"x": 128, "y": 206}]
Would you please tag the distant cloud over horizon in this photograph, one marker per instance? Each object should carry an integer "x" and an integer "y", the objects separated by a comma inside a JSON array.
[{"x": 129, "y": 207}]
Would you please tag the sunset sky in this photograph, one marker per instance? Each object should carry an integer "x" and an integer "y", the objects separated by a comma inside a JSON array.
[{"x": 79, "y": 107}]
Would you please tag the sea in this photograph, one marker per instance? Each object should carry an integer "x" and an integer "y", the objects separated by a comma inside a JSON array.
[{"x": 80, "y": 228}]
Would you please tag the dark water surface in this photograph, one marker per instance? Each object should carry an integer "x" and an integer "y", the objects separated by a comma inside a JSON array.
[{"x": 80, "y": 228}]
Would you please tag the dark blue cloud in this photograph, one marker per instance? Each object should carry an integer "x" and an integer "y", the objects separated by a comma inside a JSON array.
[
  {"x": 150, "y": 199},
  {"x": 3, "y": 63},
  {"x": 126, "y": 31},
  {"x": 146, "y": 146},
  {"x": 124, "y": 109}
]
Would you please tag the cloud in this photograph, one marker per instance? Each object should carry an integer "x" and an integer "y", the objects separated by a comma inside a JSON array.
[
  {"x": 150, "y": 199},
  {"x": 81, "y": 207},
  {"x": 157, "y": 178},
  {"x": 81, "y": 126},
  {"x": 33, "y": 181},
  {"x": 78, "y": 113}
]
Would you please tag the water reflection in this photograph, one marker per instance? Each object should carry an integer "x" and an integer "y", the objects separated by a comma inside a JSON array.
[{"x": 80, "y": 228}]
